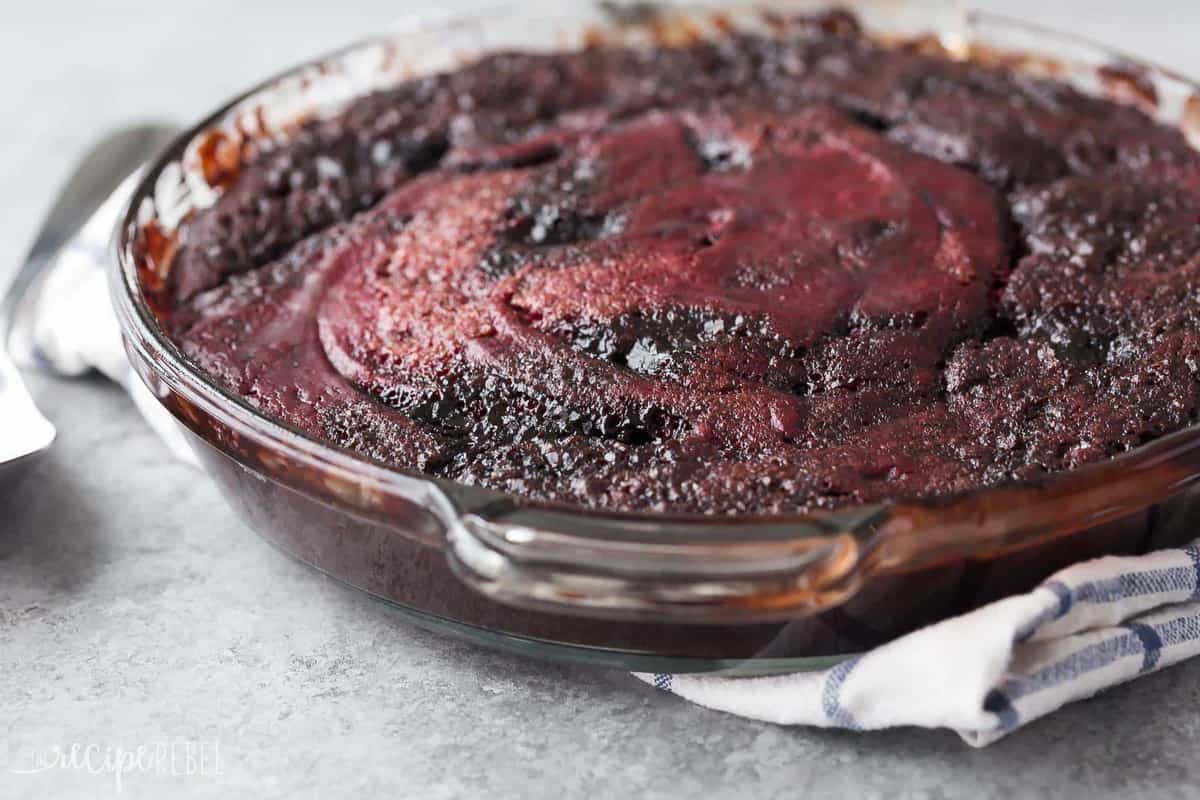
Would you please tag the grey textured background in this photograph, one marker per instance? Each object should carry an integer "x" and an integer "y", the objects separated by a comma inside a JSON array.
[{"x": 135, "y": 609}]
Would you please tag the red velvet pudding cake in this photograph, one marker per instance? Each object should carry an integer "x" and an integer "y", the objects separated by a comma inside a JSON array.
[{"x": 750, "y": 276}]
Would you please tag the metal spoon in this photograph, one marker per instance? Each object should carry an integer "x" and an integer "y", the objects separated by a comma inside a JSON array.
[{"x": 24, "y": 431}]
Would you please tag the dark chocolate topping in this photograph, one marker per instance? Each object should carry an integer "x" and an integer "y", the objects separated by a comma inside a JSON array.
[{"x": 750, "y": 276}]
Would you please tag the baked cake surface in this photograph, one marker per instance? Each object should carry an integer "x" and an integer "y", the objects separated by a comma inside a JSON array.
[{"x": 746, "y": 276}]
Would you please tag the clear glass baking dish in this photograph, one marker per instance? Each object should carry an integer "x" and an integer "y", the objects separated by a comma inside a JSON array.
[{"x": 638, "y": 591}]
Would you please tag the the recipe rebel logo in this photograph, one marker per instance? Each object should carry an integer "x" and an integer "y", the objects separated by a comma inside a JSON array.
[{"x": 115, "y": 762}]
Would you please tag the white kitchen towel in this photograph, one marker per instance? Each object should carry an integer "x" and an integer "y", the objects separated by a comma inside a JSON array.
[
  {"x": 988, "y": 672},
  {"x": 983, "y": 674},
  {"x": 66, "y": 324}
]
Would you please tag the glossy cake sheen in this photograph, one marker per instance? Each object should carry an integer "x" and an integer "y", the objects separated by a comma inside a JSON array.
[{"x": 746, "y": 276}]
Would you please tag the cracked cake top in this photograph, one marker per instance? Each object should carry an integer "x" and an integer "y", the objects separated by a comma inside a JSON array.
[{"x": 750, "y": 276}]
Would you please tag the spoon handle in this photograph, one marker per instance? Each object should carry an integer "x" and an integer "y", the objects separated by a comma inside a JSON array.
[{"x": 107, "y": 163}]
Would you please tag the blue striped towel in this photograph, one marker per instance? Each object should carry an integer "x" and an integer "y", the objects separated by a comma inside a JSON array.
[
  {"x": 983, "y": 674},
  {"x": 987, "y": 673}
]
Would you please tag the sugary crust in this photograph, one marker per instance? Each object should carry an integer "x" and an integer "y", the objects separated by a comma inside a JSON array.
[{"x": 742, "y": 277}]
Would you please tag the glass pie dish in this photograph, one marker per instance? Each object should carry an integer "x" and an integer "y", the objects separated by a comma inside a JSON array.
[{"x": 651, "y": 592}]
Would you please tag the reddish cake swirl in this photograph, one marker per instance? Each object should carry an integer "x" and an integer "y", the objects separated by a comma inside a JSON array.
[{"x": 753, "y": 276}]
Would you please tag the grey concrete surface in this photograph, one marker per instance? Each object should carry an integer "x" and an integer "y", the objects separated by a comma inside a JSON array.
[{"x": 135, "y": 610}]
